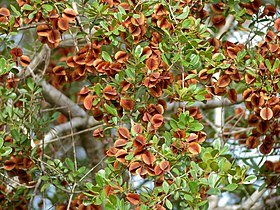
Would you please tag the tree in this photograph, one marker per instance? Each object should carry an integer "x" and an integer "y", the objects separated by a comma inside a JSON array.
[{"x": 139, "y": 104}]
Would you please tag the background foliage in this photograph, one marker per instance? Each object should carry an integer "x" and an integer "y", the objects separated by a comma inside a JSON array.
[{"x": 139, "y": 104}]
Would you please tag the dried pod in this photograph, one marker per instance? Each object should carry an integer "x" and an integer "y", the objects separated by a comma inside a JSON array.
[
  {"x": 123, "y": 132},
  {"x": 121, "y": 56},
  {"x": 148, "y": 157},
  {"x": 120, "y": 143},
  {"x": 24, "y": 60},
  {"x": 139, "y": 141},
  {"x": 98, "y": 114},
  {"x": 16, "y": 52},
  {"x": 133, "y": 167},
  {"x": 266, "y": 113},
  {"x": 62, "y": 24},
  {"x": 53, "y": 36},
  {"x": 127, "y": 104},
  {"x": 164, "y": 165},
  {"x": 157, "y": 120},
  {"x": 88, "y": 102},
  {"x": 194, "y": 148},
  {"x": 218, "y": 21},
  {"x": 252, "y": 142},
  {"x": 120, "y": 155},
  {"x": 152, "y": 63},
  {"x": 277, "y": 24},
  {"x": 232, "y": 95},
  {"x": 110, "y": 93},
  {"x": 69, "y": 14},
  {"x": 223, "y": 81},
  {"x": 133, "y": 198}
]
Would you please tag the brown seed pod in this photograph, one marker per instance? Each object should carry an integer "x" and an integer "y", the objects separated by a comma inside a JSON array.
[
  {"x": 266, "y": 113},
  {"x": 123, "y": 132},
  {"x": 24, "y": 60},
  {"x": 69, "y": 14},
  {"x": 110, "y": 93},
  {"x": 252, "y": 142},
  {"x": 218, "y": 21},
  {"x": 148, "y": 157},
  {"x": 62, "y": 24},
  {"x": 194, "y": 148},
  {"x": 127, "y": 104},
  {"x": 16, "y": 52},
  {"x": 133, "y": 198}
]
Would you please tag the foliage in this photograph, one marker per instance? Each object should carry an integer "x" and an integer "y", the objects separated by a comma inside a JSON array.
[{"x": 141, "y": 77}]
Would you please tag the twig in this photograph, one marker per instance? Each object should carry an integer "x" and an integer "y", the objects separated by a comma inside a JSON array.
[{"x": 94, "y": 167}]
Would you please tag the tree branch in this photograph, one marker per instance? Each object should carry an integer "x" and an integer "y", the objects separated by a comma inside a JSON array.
[{"x": 57, "y": 98}]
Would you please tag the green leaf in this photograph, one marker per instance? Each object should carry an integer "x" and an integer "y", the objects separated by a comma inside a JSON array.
[
  {"x": 45, "y": 178},
  {"x": 186, "y": 23},
  {"x": 1, "y": 141},
  {"x": 4, "y": 151},
  {"x": 214, "y": 166},
  {"x": 184, "y": 14},
  {"x": 70, "y": 164},
  {"x": 99, "y": 179},
  {"x": 15, "y": 135},
  {"x": 173, "y": 124},
  {"x": 111, "y": 110},
  {"x": 27, "y": 7},
  {"x": 138, "y": 51},
  {"x": 15, "y": 10},
  {"x": 168, "y": 204},
  {"x": 231, "y": 187},
  {"x": 212, "y": 179},
  {"x": 165, "y": 187},
  {"x": 98, "y": 89},
  {"x": 2, "y": 66},
  {"x": 45, "y": 186},
  {"x": 250, "y": 179},
  {"x": 48, "y": 7},
  {"x": 106, "y": 57},
  {"x": 193, "y": 187},
  {"x": 191, "y": 76},
  {"x": 213, "y": 191},
  {"x": 109, "y": 206},
  {"x": 30, "y": 83},
  {"x": 196, "y": 126},
  {"x": 268, "y": 64}
]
